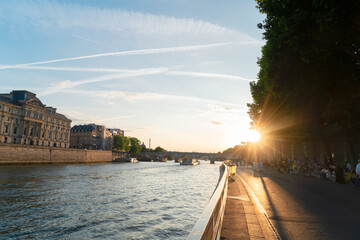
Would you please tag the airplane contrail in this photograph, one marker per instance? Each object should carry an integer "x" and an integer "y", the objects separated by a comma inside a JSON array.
[{"x": 126, "y": 53}]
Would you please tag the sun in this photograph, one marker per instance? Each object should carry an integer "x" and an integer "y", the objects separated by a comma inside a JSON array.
[
  {"x": 252, "y": 136},
  {"x": 239, "y": 133}
]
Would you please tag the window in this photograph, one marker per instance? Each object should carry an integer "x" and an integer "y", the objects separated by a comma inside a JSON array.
[
  {"x": 15, "y": 130},
  {"x": 25, "y": 131},
  {"x": 14, "y": 141},
  {"x": 6, "y": 129},
  {"x": 5, "y": 140}
]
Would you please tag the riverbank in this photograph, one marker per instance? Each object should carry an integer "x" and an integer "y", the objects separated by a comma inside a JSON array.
[{"x": 25, "y": 154}]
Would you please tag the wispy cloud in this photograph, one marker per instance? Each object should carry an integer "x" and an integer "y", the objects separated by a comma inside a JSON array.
[
  {"x": 137, "y": 96},
  {"x": 216, "y": 123},
  {"x": 71, "y": 84},
  {"x": 74, "y": 69},
  {"x": 218, "y": 110},
  {"x": 131, "y": 71},
  {"x": 124, "y": 53},
  {"x": 78, "y": 117},
  {"x": 92, "y": 41},
  {"x": 210, "y": 75},
  {"x": 49, "y": 15}
]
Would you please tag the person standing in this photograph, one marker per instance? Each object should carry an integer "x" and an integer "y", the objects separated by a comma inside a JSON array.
[
  {"x": 357, "y": 170},
  {"x": 348, "y": 165}
]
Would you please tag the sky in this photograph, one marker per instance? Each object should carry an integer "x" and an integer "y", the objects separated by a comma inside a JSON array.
[{"x": 176, "y": 72}]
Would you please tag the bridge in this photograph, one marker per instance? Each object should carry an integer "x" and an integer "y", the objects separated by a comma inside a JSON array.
[{"x": 178, "y": 156}]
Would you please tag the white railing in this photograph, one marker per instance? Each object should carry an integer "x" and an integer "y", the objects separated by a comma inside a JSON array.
[{"x": 209, "y": 224}]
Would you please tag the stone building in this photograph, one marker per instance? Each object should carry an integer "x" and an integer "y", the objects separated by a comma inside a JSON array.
[
  {"x": 115, "y": 131},
  {"x": 110, "y": 133},
  {"x": 89, "y": 136},
  {"x": 24, "y": 119},
  {"x": 92, "y": 136}
]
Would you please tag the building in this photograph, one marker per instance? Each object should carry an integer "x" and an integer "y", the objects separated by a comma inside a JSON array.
[
  {"x": 24, "y": 119},
  {"x": 115, "y": 131},
  {"x": 92, "y": 136},
  {"x": 110, "y": 133},
  {"x": 89, "y": 136}
]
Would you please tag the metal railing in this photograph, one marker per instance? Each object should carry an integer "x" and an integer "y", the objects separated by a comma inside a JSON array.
[{"x": 209, "y": 224}]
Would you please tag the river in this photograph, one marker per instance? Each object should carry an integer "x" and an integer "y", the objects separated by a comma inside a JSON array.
[{"x": 103, "y": 201}]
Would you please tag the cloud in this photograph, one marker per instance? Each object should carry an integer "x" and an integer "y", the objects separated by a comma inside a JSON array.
[
  {"x": 68, "y": 69},
  {"x": 210, "y": 75},
  {"x": 124, "y": 53},
  {"x": 216, "y": 123},
  {"x": 83, "y": 118},
  {"x": 67, "y": 84},
  {"x": 49, "y": 15},
  {"x": 128, "y": 71},
  {"x": 137, "y": 96}
]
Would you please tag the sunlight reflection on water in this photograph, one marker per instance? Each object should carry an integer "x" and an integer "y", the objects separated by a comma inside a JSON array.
[{"x": 112, "y": 201}]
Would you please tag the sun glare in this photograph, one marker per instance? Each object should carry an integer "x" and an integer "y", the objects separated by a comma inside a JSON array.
[{"x": 253, "y": 136}]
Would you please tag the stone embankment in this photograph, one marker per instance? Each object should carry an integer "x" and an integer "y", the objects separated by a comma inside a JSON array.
[{"x": 24, "y": 154}]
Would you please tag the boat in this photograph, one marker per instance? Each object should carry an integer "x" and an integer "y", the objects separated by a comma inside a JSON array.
[
  {"x": 127, "y": 159},
  {"x": 190, "y": 162},
  {"x": 132, "y": 160}
]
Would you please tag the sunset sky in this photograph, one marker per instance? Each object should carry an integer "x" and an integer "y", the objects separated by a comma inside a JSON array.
[{"x": 177, "y": 72}]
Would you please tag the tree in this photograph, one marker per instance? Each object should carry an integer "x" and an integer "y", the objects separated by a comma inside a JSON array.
[
  {"x": 309, "y": 69},
  {"x": 159, "y": 149},
  {"x": 121, "y": 143},
  {"x": 135, "y": 145}
]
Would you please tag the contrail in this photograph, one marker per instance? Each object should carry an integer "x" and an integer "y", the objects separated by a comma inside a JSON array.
[
  {"x": 126, "y": 53},
  {"x": 210, "y": 75}
]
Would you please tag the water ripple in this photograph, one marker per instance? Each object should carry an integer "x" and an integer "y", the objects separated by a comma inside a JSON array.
[{"x": 103, "y": 201}]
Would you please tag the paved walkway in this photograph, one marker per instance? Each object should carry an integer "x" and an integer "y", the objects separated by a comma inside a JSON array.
[{"x": 240, "y": 218}]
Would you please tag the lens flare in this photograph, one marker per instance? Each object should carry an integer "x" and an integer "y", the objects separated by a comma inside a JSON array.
[{"x": 253, "y": 136}]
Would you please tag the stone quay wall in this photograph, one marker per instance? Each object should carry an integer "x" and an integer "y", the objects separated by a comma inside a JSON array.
[{"x": 25, "y": 154}]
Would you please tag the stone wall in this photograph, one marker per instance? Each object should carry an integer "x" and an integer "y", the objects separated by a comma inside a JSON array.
[{"x": 25, "y": 154}]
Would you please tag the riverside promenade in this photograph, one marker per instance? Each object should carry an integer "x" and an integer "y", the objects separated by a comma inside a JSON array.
[{"x": 244, "y": 218}]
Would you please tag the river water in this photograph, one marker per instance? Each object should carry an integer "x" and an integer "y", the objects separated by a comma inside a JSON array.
[{"x": 103, "y": 201}]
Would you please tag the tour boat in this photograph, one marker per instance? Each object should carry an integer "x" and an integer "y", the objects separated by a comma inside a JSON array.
[{"x": 192, "y": 162}]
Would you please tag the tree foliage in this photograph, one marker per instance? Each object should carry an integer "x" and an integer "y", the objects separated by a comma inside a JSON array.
[
  {"x": 135, "y": 146},
  {"x": 159, "y": 149},
  {"x": 121, "y": 144},
  {"x": 126, "y": 144},
  {"x": 310, "y": 67}
]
